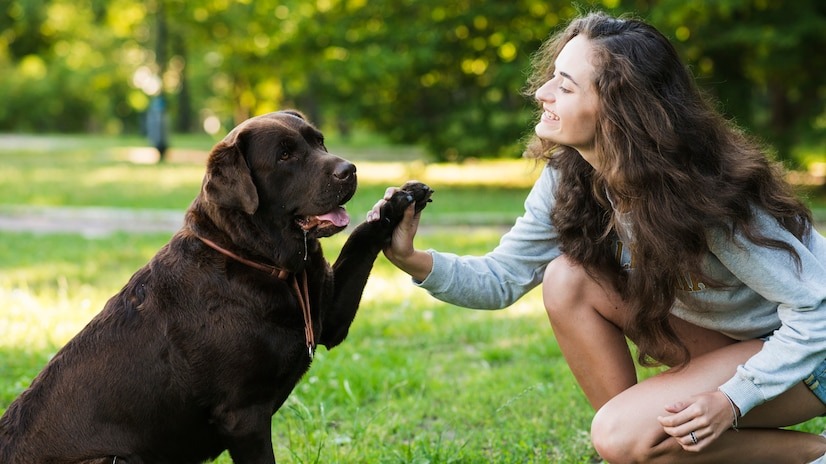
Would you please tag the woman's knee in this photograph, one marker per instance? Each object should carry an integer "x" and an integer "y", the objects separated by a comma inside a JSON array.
[
  {"x": 608, "y": 437},
  {"x": 567, "y": 288},
  {"x": 562, "y": 284},
  {"x": 619, "y": 437}
]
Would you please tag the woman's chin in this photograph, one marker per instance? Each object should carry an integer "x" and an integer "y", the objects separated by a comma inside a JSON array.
[{"x": 544, "y": 132}]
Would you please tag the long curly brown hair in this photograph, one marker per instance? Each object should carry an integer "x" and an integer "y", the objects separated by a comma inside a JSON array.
[{"x": 670, "y": 161}]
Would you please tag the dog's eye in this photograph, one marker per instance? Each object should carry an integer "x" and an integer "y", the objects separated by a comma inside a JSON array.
[{"x": 285, "y": 151}]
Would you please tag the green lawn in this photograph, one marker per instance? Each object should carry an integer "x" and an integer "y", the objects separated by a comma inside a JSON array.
[{"x": 417, "y": 381}]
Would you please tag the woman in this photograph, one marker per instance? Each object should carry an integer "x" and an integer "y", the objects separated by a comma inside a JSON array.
[{"x": 656, "y": 220}]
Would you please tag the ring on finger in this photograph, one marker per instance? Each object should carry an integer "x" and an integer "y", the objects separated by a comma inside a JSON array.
[{"x": 693, "y": 437}]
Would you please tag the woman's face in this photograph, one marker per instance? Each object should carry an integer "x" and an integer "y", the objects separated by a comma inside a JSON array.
[{"x": 569, "y": 100}]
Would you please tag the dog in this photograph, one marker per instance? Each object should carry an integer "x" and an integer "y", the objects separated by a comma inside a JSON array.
[{"x": 204, "y": 343}]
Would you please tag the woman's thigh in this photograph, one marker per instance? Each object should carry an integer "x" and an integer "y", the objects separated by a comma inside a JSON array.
[
  {"x": 632, "y": 415},
  {"x": 567, "y": 286},
  {"x": 697, "y": 340}
]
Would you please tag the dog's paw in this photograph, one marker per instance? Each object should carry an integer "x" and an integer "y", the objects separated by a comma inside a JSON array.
[
  {"x": 392, "y": 210},
  {"x": 420, "y": 192}
]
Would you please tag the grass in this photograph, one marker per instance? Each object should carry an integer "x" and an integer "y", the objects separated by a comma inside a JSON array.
[{"x": 417, "y": 381}]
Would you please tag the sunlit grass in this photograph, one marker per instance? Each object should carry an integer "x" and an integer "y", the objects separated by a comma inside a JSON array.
[
  {"x": 42, "y": 321},
  {"x": 416, "y": 381},
  {"x": 513, "y": 174},
  {"x": 51, "y": 285}
]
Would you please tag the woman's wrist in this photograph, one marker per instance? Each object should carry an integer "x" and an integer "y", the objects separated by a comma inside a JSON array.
[
  {"x": 735, "y": 411},
  {"x": 418, "y": 264}
]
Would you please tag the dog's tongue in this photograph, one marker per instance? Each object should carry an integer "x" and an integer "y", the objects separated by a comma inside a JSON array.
[{"x": 338, "y": 217}]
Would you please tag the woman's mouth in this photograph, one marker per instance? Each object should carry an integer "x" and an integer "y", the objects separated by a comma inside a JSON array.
[{"x": 549, "y": 116}]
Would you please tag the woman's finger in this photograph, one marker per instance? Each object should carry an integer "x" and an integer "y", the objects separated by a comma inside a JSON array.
[
  {"x": 389, "y": 192},
  {"x": 375, "y": 213}
]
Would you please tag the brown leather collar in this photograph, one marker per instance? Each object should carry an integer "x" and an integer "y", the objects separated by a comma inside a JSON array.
[
  {"x": 299, "y": 288},
  {"x": 271, "y": 270}
]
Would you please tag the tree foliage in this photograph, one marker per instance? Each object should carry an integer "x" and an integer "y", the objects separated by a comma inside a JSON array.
[
  {"x": 445, "y": 75},
  {"x": 763, "y": 60}
]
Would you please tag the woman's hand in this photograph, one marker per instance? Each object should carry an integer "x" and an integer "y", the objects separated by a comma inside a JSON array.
[
  {"x": 698, "y": 421},
  {"x": 401, "y": 251},
  {"x": 401, "y": 244}
]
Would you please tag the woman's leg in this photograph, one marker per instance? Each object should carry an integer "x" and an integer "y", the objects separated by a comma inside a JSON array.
[
  {"x": 587, "y": 319},
  {"x": 583, "y": 316},
  {"x": 626, "y": 428}
]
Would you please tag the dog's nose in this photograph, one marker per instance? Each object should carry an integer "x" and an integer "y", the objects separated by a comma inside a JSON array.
[{"x": 344, "y": 170}]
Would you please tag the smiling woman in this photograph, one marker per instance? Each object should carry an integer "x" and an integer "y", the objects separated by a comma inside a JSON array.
[
  {"x": 569, "y": 100},
  {"x": 632, "y": 235}
]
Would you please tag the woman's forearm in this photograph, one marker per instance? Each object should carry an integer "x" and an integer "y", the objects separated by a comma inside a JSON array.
[{"x": 418, "y": 264}]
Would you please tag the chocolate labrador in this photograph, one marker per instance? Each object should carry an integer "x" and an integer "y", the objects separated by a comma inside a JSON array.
[{"x": 205, "y": 342}]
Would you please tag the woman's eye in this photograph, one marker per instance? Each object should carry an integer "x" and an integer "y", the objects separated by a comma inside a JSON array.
[{"x": 560, "y": 87}]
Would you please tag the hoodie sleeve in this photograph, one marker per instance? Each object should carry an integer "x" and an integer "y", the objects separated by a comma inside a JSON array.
[
  {"x": 799, "y": 292},
  {"x": 500, "y": 277}
]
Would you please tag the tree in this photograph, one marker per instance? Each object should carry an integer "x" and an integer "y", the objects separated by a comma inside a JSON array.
[
  {"x": 762, "y": 60},
  {"x": 447, "y": 75},
  {"x": 444, "y": 75}
]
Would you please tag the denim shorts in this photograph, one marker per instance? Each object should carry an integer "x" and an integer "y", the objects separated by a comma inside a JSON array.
[{"x": 816, "y": 382}]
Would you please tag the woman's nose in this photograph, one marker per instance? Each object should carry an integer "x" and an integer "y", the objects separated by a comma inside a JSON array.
[{"x": 544, "y": 93}]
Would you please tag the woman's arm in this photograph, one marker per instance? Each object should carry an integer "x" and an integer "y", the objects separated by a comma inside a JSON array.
[
  {"x": 497, "y": 279},
  {"x": 799, "y": 345}
]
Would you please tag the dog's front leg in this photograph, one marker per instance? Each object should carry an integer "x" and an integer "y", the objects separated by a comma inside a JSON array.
[
  {"x": 354, "y": 263},
  {"x": 252, "y": 449},
  {"x": 247, "y": 431}
]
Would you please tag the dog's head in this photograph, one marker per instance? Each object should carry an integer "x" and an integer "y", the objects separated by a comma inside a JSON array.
[{"x": 276, "y": 169}]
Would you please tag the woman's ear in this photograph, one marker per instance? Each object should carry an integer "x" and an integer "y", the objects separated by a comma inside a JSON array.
[{"x": 228, "y": 181}]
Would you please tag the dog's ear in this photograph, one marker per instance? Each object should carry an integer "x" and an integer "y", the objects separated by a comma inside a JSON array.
[{"x": 228, "y": 180}]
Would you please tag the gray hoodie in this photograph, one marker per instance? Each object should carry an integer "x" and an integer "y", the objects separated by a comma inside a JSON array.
[{"x": 764, "y": 292}]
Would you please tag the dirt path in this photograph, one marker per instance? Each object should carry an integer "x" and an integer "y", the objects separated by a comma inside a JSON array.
[
  {"x": 88, "y": 221},
  {"x": 99, "y": 221}
]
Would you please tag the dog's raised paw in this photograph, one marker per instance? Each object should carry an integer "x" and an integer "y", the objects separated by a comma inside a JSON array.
[
  {"x": 410, "y": 192},
  {"x": 419, "y": 192}
]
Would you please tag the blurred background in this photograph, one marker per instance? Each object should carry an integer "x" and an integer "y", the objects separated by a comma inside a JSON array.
[
  {"x": 445, "y": 76},
  {"x": 91, "y": 91}
]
